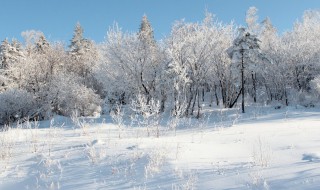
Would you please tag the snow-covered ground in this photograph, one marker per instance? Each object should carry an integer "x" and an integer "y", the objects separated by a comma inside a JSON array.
[{"x": 262, "y": 149}]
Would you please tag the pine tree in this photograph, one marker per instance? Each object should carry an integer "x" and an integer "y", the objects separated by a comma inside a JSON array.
[
  {"x": 146, "y": 32},
  {"x": 147, "y": 57},
  {"x": 10, "y": 53},
  {"x": 17, "y": 52},
  {"x": 4, "y": 53},
  {"x": 42, "y": 44},
  {"x": 77, "y": 41},
  {"x": 81, "y": 47}
]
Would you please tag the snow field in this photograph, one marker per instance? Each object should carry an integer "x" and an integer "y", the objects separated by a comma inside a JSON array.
[{"x": 271, "y": 150}]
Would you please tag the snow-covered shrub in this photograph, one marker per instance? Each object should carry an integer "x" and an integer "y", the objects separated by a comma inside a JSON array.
[
  {"x": 17, "y": 104},
  {"x": 150, "y": 113},
  {"x": 306, "y": 99},
  {"x": 156, "y": 160},
  {"x": 262, "y": 154},
  {"x": 117, "y": 117},
  {"x": 310, "y": 98},
  {"x": 315, "y": 86},
  {"x": 68, "y": 96}
]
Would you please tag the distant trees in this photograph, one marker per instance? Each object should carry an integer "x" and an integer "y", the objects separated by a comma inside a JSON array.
[
  {"x": 304, "y": 50},
  {"x": 199, "y": 64},
  {"x": 41, "y": 72},
  {"x": 294, "y": 58}
]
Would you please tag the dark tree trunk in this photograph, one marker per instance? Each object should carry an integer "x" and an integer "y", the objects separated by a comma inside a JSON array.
[
  {"x": 236, "y": 99},
  {"x": 242, "y": 81},
  {"x": 199, "y": 106},
  {"x": 254, "y": 87},
  {"x": 203, "y": 94},
  {"x": 189, "y": 102},
  {"x": 286, "y": 97},
  {"x": 163, "y": 101},
  {"x": 195, "y": 95},
  {"x": 223, "y": 94},
  {"x": 216, "y": 95}
]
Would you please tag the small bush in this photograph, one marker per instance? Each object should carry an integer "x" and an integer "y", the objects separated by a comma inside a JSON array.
[
  {"x": 16, "y": 105},
  {"x": 67, "y": 96}
]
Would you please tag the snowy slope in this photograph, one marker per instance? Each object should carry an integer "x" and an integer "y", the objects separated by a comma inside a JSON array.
[{"x": 265, "y": 149}]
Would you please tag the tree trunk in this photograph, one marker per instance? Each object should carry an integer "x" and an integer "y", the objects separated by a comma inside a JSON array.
[
  {"x": 286, "y": 96},
  {"x": 163, "y": 101},
  {"x": 189, "y": 102},
  {"x": 195, "y": 95},
  {"x": 199, "y": 106},
  {"x": 203, "y": 94},
  {"x": 223, "y": 94},
  {"x": 242, "y": 81},
  {"x": 216, "y": 95},
  {"x": 236, "y": 99},
  {"x": 254, "y": 87}
]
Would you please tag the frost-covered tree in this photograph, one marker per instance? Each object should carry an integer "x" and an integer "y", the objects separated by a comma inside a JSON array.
[
  {"x": 30, "y": 38},
  {"x": 80, "y": 47},
  {"x": 268, "y": 34},
  {"x": 32, "y": 71},
  {"x": 243, "y": 54},
  {"x": 252, "y": 20},
  {"x": 5, "y": 59},
  {"x": 83, "y": 57},
  {"x": 220, "y": 78},
  {"x": 146, "y": 33},
  {"x": 10, "y": 54},
  {"x": 187, "y": 50},
  {"x": 77, "y": 42},
  {"x": 5, "y": 49},
  {"x": 193, "y": 51},
  {"x": 42, "y": 44},
  {"x": 152, "y": 60},
  {"x": 304, "y": 49},
  {"x": 134, "y": 65},
  {"x": 294, "y": 56},
  {"x": 275, "y": 75}
]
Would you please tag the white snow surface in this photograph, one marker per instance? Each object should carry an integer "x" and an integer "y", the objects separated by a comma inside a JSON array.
[{"x": 262, "y": 149}]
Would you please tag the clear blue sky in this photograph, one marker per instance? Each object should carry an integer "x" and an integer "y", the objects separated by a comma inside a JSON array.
[{"x": 57, "y": 18}]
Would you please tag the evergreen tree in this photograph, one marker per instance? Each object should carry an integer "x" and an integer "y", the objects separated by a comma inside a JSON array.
[
  {"x": 4, "y": 53},
  {"x": 146, "y": 32},
  {"x": 10, "y": 53},
  {"x": 84, "y": 56},
  {"x": 42, "y": 44},
  {"x": 80, "y": 47},
  {"x": 77, "y": 41},
  {"x": 147, "y": 59}
]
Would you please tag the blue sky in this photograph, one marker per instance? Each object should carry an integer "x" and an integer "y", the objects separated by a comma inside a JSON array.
[{"x": 57, "y": 18}]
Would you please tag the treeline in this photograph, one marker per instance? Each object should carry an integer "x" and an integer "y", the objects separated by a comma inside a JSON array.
[{"x": 206, "y": 62}]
